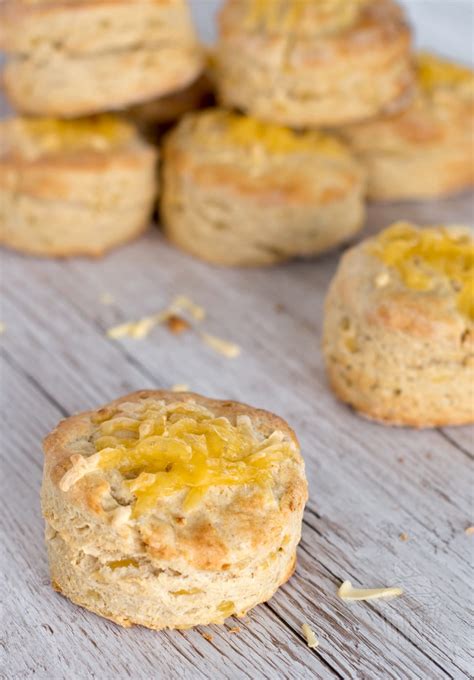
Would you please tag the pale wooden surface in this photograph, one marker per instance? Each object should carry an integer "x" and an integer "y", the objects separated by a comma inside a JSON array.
[{"x": 368, "y": 483}]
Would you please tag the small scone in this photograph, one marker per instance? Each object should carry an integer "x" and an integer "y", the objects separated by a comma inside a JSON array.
[
  {"x": 69, "y": 59},
  {"x": 240, "y": 192},
  {"x": 305, "y": 63},
  {"x": 172, "y": 510},
  {"x": 399, "y": 327},
  {"x": 428, "y": 150},
  {"x": 73, "y": 187}
]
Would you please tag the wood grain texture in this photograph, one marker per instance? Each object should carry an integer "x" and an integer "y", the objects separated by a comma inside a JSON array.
[{"x": 368, "y": 483}]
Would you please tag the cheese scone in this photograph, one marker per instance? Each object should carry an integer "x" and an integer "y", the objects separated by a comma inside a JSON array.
[
  {"x": 240, "y": 192},
  {"x": 306, "y": 64},
  {"x": 428, "y": 150},
  {"x": 69, "y": 59},
  {"x": 73, "y": 187},
  {"x": 172, "y": 510},
  {"x": 399, "y": 327}
]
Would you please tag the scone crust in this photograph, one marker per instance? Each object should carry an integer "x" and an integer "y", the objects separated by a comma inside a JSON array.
[
  {"x": 237, "y": 206},
  {"x": 423, "y": 152},
  {"x": 150, "y": 43},
  {"x": 395, "y": 355},
  {"x": 308, "y": 77},
  {"x": 219, "y": 550},
  {"x": 80, "y": 202}
]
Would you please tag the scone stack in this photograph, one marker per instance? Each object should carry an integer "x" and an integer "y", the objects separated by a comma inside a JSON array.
[
  {"x": 73, "y": 185},
  {"x": 262, "y": 181},
  {"x": 259, "y": 180}
]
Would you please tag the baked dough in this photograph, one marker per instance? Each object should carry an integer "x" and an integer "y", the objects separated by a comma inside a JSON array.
[
  {"x": 240, "y": 192},
  {"x": 398, "y": 330},
  {"x": 307, "y": 64},
  {"x": 69, "y": 59},
  {"x": 172, "y": 510},
  {"x": 73, "y": 187},
  {"x": 428, "y": 150}
]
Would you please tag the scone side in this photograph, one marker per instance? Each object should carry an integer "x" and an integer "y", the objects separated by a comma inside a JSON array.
[
  {"x": 249, "y": 224},
  {"x": 246, "y": 64},
  {"x": 74, "y": 204}
]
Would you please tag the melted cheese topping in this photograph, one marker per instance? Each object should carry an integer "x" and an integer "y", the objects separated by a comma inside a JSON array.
[
  {"x": 435, "y": 72},
  {"x": 247, "y": 132},
  {"x": 39, "y": 136},
  {"x": 161, "y": 449},
  {"x": 421, "y": 256}
]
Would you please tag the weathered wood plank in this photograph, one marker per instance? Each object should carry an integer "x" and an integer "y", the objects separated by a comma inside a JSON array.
[{"x": 391, "y": 481}]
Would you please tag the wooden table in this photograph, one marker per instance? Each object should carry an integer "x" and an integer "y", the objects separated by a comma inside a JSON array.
[
  {"x": 387, "y": 506},
  {"x": 369, "y": 484}
]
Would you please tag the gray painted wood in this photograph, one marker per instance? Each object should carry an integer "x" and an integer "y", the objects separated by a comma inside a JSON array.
[{"x": 368, "y": 483}]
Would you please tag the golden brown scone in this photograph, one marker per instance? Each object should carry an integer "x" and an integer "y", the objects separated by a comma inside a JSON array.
[
  {"x": 73, "y": 187},
  {"x": 398, "y": 330},
  {"x": 307, "y": 64},
  {"x": 69, "y": 59},
  {"x": 172, "y": 510},
  {"x": 240, "y": 192},
  {"x": 428, "y": 150}
]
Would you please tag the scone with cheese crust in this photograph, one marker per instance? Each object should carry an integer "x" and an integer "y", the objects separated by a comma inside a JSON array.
[
  {"x": 73, "y": 187},
  {"x": 240, "y": 192},
  {"x": 311, "y": 64},
  {"x": 428, "y": 150},
  {"x": 172, "y": 510},
  {"x": 69, "y": 59},
  {"x": 399, "y": 327}
]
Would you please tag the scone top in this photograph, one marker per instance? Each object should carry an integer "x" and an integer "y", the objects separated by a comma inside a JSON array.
[
  {"x": 162, "y": 453},
  {"x": 436, "y": 73},
  {"x": 32, "y": 138},
  {"x": 298, "y": 17},
  {"x": 434, "y": 261},
  {"x": 218, "y": 129}
]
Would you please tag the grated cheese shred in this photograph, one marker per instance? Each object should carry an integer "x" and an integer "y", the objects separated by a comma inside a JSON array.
[
  {"x": 311, "y": 639},
  {"x": 347, "y": 592},
  {"x": 224, "y": 347},
  {"x": 161, "y": 449}
]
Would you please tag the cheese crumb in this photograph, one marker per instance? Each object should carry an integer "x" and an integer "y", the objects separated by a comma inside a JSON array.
[
  {"x": 382, "y": 279},
  {"x": 469, "y": 531},
  {"x": 3, "y": 328},
  {"x": 141, "y": 328},
  {"x": 311, "y": 639},
  {"x": 235, "y": 629},
  {"x": 227, "y": 349},
  {"x": 80, "y": 467},
  {"x": 403, "y": 536},
  {"x": 176, "y": 324},
  {"x": 184, "y": 303},
  {"x": 120, "y": 516},
  {"x": 347, "y": 592},
  {"x": 207, "y": 636},
  {"x": 180, "y": 387},
  {"x": 107, "y": 299}
]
